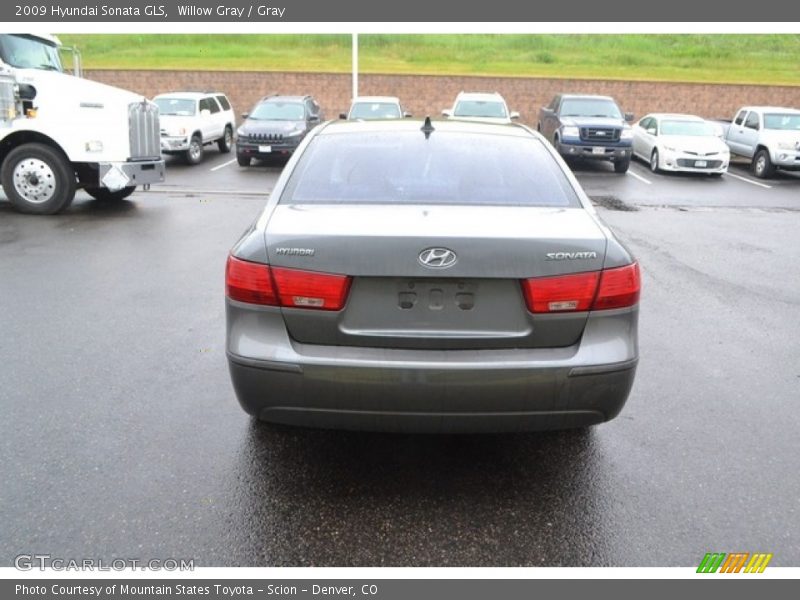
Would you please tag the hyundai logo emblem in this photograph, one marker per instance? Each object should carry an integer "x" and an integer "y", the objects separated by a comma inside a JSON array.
[{"x": 437, "y": 258}]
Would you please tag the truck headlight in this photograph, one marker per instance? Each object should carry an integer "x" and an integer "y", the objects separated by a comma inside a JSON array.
[
  {"x": 627, "y": 134},
  {"x": 570, "y": 131},
  {"x": 94, "y": 146}
]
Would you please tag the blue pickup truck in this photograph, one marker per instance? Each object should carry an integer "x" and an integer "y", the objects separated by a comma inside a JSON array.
[{"x": 590, "y": 127}]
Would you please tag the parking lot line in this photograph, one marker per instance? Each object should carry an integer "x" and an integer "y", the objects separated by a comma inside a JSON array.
[
  {"x": 763, "y": 185},
  {"x": 225, "y": 164},
  {"x": 639, "y": 177}
]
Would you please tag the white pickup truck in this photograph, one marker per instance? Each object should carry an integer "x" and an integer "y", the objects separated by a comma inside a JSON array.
[{"x": 767, "y": 135}]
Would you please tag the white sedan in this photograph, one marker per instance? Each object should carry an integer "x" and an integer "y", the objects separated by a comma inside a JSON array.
[{"x": 680, "y": 143}]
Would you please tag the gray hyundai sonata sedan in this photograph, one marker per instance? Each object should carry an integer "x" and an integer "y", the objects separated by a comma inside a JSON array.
[{"x": 434, "y": 277}]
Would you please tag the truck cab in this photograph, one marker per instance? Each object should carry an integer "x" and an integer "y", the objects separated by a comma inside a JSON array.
[
  {"x": 767, "y": 135},
  {"x": 60, "y": 133}
]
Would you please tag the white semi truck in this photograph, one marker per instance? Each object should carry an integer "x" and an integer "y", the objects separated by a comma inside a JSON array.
[{"x": 60, "y": 133}]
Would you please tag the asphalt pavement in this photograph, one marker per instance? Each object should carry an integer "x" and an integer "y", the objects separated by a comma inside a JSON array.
[{"x": 121, "y": 436}]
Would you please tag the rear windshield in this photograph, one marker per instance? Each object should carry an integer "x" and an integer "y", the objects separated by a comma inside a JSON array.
[{"x": 447, "y": 168}]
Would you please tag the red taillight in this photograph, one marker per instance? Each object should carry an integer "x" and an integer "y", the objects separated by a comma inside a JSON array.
[
  {"x": 249, "y": 282},
  {"x": 275, "y": 286},
  {"x": 619, "y": 287},
  {"x": 560, "y": 294},
  {"x": 308, "y": 289},
  {"x": 597, "y": 290}
]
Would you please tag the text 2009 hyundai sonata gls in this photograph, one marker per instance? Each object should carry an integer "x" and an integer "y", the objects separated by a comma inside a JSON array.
[{"x": 444, "y": 277}]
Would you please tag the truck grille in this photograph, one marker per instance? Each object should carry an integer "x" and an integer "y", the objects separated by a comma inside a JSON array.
[
  {"x": 144, "y": 131},
  {"x": 258, "y": 138},
  {"x": 599, "y": 134}
]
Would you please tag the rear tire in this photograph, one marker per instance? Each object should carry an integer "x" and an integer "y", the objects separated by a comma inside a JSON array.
[
  {"x": 654, "y": 161},
  {"x": 715, "y": 175},
  {"x": 194, "y": 154},
  {"x": 244, "y": 161},
  {"x": 38, "y": 179},
  {"x": 105, "y": 195},
  {"x": 762, "y": 165},
  {"x": 621, "y": 166},
  {"x": 225, "y": 143}
]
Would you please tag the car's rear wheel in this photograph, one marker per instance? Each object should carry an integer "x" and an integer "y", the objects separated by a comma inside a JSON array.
[
  {"x": 244, "y": 161},
  {"x": 195, "y": 152},
  {"x": 38, "y": 179},
  {"x": 106, "y": 195},
  {"x": 654, "y": 161},
  {"x": 225, "y": 143},
  {"x": 762, "y": 165},
  {"x": 621, "y": 166}
]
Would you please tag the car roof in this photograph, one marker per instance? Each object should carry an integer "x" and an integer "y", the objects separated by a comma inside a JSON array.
[
  {"x": 680, "y": 116},
  {"x": 439, "y": 125},
  {"x": 784, "y": 109},
  {"x": 278, "y": 98},
  {"x": 386, "y": 99},
  {"x": 189, "y": 95},
  {"x": 587, "y": 96},
  {"x": 480, "y": 96}
]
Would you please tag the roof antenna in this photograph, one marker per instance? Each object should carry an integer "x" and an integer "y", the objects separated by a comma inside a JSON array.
[{"x": 427, "y": 127}]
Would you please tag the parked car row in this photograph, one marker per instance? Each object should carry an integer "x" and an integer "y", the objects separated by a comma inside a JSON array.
[{"x": 579, "y": 126}]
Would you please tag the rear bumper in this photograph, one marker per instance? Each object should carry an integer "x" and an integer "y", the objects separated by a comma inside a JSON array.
[{"x": 431, "y": 390}]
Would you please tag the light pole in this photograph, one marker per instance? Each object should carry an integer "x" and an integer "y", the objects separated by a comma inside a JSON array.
[{"x": 355, "y": 65}]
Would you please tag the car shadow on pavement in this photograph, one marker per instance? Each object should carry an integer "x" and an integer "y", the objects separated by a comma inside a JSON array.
[{"x": 317, "y": 497}]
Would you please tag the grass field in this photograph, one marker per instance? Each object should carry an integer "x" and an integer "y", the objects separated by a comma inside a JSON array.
[{"x": 771, "y": 59}]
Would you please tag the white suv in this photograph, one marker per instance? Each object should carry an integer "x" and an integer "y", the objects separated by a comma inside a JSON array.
[
  {"x": 480, "y": 106},
  {"x": 192, "y": 120}
]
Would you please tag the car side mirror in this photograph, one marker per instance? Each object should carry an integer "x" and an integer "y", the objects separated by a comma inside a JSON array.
[
  {"x": 205, "y": 113},
  {"x": 651, "y": 131},
  {"x": 245, "y": 115},
  {"x": 342, "y": 115},
  {"x": 313, "y": 119},
  {"x": 514, "y": 115},
  {"x": 407, "y": 115},
  {"x": 629, "y": 117},
  {"x": 447, "y": 113}
]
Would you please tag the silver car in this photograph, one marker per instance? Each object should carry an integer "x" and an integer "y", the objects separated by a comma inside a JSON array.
[{"x": 432, "y": 277}]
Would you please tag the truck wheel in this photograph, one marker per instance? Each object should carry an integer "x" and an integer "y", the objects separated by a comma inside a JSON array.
[
  {"x": 195, "y": 152},
  {"x": 105, "y": 195},
  {"x": 654, "y": 161},
  {"x": 244, "y": 161},
  {"x": 225, "y": 143},
  {"x": 621, "y": 166},
  {"x": 38, "y": 179},
  {"x": 762, "y": 165}
]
